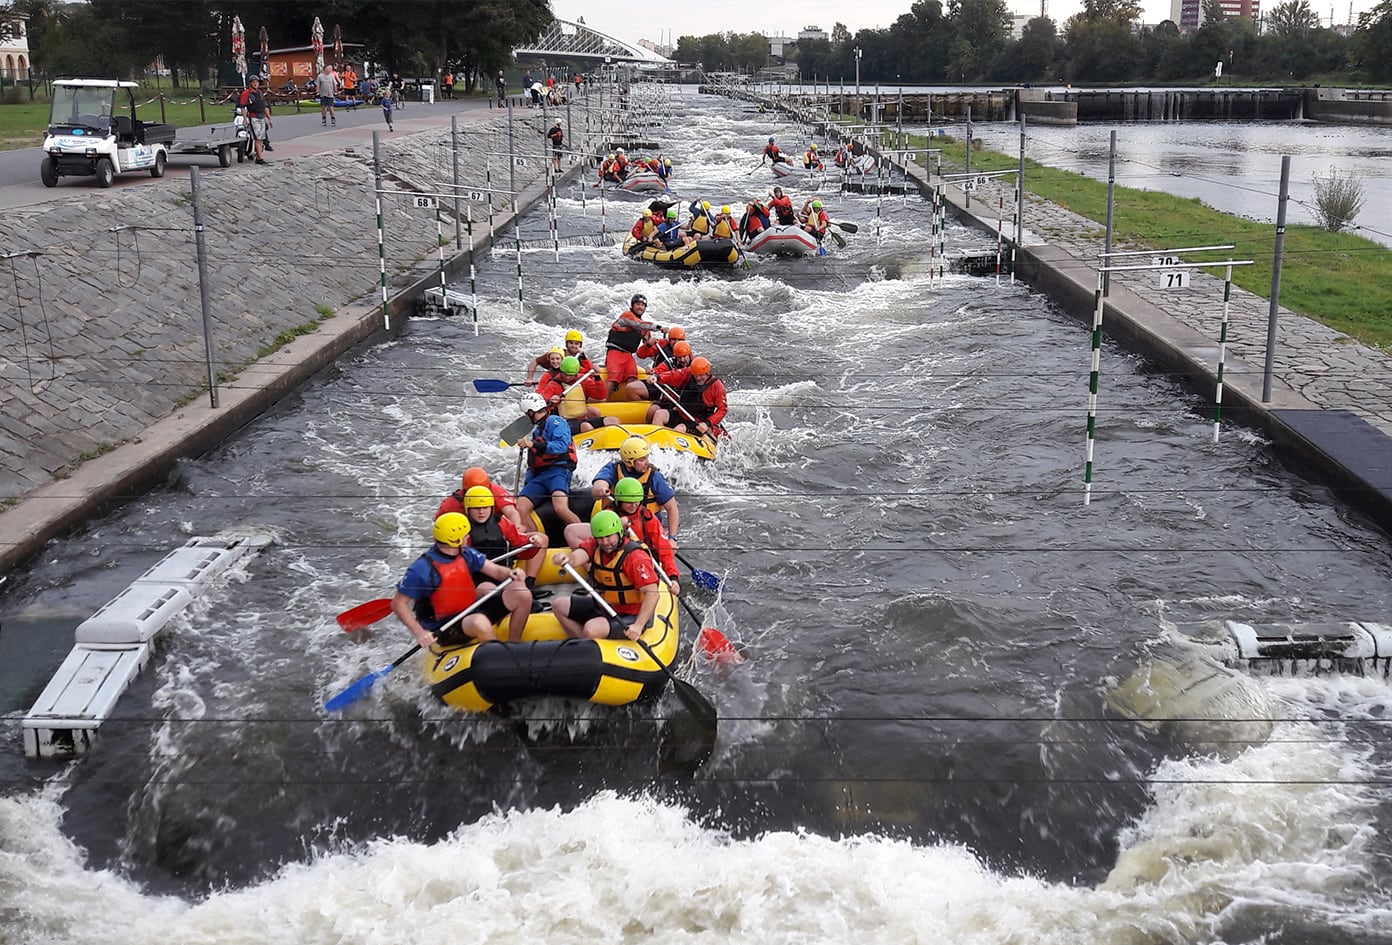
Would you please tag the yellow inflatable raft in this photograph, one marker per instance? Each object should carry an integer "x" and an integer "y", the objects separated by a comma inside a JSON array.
[
  {"x": 477, "y": 676},
  {"x": 708, "y": 252}
]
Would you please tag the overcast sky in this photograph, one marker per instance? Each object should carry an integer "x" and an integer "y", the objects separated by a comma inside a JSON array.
[{"x": 666, "y": 22}]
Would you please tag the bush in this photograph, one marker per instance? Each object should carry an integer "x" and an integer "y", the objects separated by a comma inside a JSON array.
[{"x": 1337, "y": 199}]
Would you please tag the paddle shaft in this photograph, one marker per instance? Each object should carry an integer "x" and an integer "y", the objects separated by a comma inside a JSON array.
[
  {"x": 690, "y": 697},
  {"x": 372, "y": 611},
  {"x": 676, "y": 400}
]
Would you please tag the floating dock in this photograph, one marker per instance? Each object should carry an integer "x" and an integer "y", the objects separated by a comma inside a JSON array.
[{"x": 115, "y": 643}]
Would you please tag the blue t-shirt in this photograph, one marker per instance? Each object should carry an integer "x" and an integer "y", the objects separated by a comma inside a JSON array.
[
  {"x": 421, "y": 579},
  {"x": 552, "y": 436},
  {"x": 662, "y": 491}
]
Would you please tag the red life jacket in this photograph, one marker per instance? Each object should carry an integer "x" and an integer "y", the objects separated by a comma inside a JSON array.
[{"x": 454, "y": 593}]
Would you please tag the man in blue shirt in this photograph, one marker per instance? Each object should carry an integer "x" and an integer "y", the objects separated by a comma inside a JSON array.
[
  {"x": 551, "y": 461},
  {"x": 447, "y": 580},
  {"x": 634, "y": 462},
  {"x": 670, "y": 232}
]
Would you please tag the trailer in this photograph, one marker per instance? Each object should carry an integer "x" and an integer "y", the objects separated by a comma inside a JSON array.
[{"x": 93, "y": 131}]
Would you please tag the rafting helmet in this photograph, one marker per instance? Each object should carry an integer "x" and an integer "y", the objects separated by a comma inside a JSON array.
[
  {"x": 618, "y": 150},
  {"x": 770, "y": 139},
  {"x": 635, "y": 447},
  {"x": 475, "y": 476},
  {"x": 681, "y": 350},
  {"x": 479, "y": 497},
  {"x": 570, "y": 364},
  {"x": 640, "y": 297},
  {"x": 451, "y": 528},
  {"x": 574, "y": 335},
  {"x": 705, "y": 204},
  {"x": 646, "y": 212},
  {"x": 700, "y": 366},
  {"x": 725, "y": 209},
  {"x": 532, "y": 402},
  {"x": 816, "y": 205},
  {"x": 628, "y": 489},
  {"x": 606, "y": 523},
  {"x": 676, "y": 334},
  {"x": 666, "y": 162},
  {"x": 671, "y": 213},
  {"x": 814, "y": 146}
]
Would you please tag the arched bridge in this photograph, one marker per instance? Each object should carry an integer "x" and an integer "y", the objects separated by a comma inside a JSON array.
[{"x": 571, "y": 41}]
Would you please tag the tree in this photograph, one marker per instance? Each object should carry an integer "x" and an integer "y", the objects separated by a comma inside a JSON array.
[
  {"x": 982, "y": 31},
  {"x": 1371, "y": 46},
  {"x": 1101, "y": 49},
  {"x": 1125, "y": 10},
  {"x": 1293, "y": 18},
  {"x": 1033, "y": 56}
]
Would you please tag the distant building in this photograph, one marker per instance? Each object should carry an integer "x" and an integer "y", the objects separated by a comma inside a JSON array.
[
  {"x": 778, "y": 46},
  {"x": 1017, "y": 24},
  {"x": 658, "y": 48},
  {"x": 1188, "y": 14},
  {"x": 812, "y": 32},
  {"x": 14, "y": 50}
]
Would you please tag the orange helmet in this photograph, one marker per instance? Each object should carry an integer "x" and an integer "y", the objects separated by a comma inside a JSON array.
[
  {"x": 681, "y": 350},
  {"x": 475, "y": 476},
  {"x": 700, "y": 366},
  {"x": 676, "y": 334}
]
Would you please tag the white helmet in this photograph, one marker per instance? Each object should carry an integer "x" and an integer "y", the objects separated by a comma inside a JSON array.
[{"x": 531, "y": 402}]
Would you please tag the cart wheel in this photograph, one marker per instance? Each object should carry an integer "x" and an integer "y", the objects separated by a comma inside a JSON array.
[
  {"x": 225, "y": 156},
  {"x": 106, "y": 174},
  {"x": 158, "y": 169},
  {"x": 48, "y": 172}
]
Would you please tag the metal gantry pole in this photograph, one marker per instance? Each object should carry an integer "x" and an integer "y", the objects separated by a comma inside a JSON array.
[
  {"x": 1111, "y": 203},
  {"x": 454, "y": 149},
  {"x": 381, "y": 229},
  {"x": 203, "y": 285},
  {"x": 1276, "y": 253},
  {"x": 1222, "y": 351},
  {"x": 473, "y": 272},
  {"x": 1019, "y": 206}
]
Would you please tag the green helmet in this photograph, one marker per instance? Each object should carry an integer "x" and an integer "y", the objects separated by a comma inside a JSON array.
[
  {"x": 671, "y": 213},
  {"x": 606, "y": 523},
  {"x": 570, "y": 365},
  {"x": 816, "y": 205},
  {"x": 628, "y": 489}
]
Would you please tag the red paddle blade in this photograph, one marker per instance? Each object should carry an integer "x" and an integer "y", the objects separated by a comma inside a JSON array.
[
  {"x": 716, "y": 646},
  {"x": 364, "y": 615}
]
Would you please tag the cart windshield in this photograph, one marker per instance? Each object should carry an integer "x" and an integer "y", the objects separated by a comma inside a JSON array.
[{"x": 82, "y": 106}]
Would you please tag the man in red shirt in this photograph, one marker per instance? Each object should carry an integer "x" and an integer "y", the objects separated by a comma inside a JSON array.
[
  {"x": 626, "y": 336},
  {"x": 621, "y": 571},
  {"x": 782, "y": 207},
  {"x": 701, "y": 394},
  {"x": 502, "y": 499}
]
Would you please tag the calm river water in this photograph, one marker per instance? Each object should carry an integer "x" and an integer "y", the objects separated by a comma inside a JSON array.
[{"x": 921, "y": 747}]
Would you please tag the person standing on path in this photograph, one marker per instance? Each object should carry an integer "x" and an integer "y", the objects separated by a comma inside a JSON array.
[
  {"x": 326, "y": 87},
  {"x": 502, "y": 88},
  {"x": 387, "y": 106},
  {"x": 260, "y": 114},
  {"x": 557, "y": 138},
  {"x": 449, "y": 85}
]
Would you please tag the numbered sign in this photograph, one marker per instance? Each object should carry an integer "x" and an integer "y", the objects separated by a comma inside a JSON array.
[
  {"x": 519, "y": 162},
  {"x": 981, "y": 180},
  {"x": 1174, "y": 279},
  {"x": 477, "y": 196},
  {"x": 1165, "y": 260},
  {"x": 423, "y": 203}
]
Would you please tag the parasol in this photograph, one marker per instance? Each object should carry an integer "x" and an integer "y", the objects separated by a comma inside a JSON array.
[
  {"x": 239, "y": 47},
  {"x": 316, "y": 39}
]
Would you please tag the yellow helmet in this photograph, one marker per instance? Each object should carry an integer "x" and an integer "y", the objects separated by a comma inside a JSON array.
[
  {"x": 574, "y": 335},
  {"x": 635, "y": 447},
  {"x": 451, "y": 528},
  {"x": 478, "y": 497},
  {"x": 814, "y": 147},
  {"x": 557, "y": 350},
  {"x": 725, "y": 209}
]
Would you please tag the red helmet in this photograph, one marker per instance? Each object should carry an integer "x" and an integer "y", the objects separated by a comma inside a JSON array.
[
  {"x": 681, "y": 350},
  {"x": 700, "y": 366},
  {"x": 475, "y": 476}
]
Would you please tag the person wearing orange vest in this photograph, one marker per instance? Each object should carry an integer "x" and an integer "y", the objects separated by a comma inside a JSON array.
[
  {"x": 626, "y": 336},
  {"x": 773, "y": 155},
  {"x": 782, "y": 207},
  {"x": 549, "y": 363},
  {"x": 702, "y": 395},
  {"x": 444, "y": 581},
  {"x": 570, "y": 396},
  {"x": 621, "y": 571},
  {"x": 478, "y": 476}
]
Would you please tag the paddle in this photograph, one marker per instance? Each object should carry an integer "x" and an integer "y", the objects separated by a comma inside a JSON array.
[
  {"x": 361, "y": 688},
  {"x": 837, "y": 238},
  {"x": 676, "y": 401},
  {"x": 703, "y": 579},
  {"x": 711, "y": 641},
  {"x": 848, "y": 227},
  {"x": 515, "y": 430},
  {"x": 492, "y": 385},
  {"x": 366, "y": 614},
  {"x": 695, "y": 703}
]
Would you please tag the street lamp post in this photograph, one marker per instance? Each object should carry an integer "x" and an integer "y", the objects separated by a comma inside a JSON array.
[{"x": 857, "y": 55}]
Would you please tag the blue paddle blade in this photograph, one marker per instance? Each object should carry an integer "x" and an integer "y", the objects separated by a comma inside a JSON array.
[
  {"x": 490, "y": 385},
  {"x": 821, "y": 251},
  {"x": 356, "y": 691},
  {"x": 704, "y": 579}
]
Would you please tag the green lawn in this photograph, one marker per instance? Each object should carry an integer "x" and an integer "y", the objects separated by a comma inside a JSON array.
[{"x": 1342, "y": 280}]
